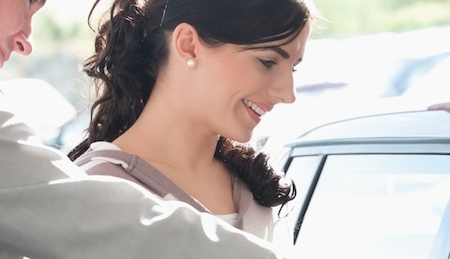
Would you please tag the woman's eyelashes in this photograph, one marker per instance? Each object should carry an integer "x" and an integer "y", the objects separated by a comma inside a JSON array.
[
  {"x": 268, "y": 63},
  {"x": 37, "y": 2}
]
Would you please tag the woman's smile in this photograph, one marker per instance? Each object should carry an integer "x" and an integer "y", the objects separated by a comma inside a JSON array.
[{"x": 256, "y": 111}]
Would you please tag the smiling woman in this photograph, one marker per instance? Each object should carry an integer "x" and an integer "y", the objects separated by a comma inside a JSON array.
[{"x": 181, "y": 85}]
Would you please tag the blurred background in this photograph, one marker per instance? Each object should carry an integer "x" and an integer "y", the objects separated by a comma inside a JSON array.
[{"x": 361, "y": 51}]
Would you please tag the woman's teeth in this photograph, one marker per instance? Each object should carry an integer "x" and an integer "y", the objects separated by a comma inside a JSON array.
[{"x": 255, "y": 108}]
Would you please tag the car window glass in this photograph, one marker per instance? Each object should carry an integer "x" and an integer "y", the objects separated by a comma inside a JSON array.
[
  {"x": 302, "y": 171},
  {"x": 376, "y": 206}
]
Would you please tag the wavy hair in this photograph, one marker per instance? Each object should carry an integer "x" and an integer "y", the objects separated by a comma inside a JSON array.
[{"x": 131, "y": 46}]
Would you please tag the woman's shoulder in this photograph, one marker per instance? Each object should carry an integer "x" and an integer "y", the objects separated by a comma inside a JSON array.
[
  {"x": 259, "y": 220},
  {"x": 247, "y": 206},
  {"x": 105, "y": 158}
]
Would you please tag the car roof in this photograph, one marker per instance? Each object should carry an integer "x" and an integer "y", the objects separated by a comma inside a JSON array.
[{"x": 404, "y": 124}]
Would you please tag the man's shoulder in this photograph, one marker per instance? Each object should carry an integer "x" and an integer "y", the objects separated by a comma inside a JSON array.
[{"x": 12, "y": 128}]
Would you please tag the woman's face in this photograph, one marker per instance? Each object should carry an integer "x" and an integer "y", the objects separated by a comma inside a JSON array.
[
  {"x": 15, "y": 26},
  {"x": 235, "y": 87}
]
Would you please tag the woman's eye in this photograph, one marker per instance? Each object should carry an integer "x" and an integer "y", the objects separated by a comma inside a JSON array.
[
  {"x": 268, "y": 63},
  {"x": 32, "y": 2}
]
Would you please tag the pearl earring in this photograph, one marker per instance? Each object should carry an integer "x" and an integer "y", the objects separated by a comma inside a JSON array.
[{"x": 190, "y": 63}]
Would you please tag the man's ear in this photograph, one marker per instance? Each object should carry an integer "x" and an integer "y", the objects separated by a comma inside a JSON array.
[{"x": 185, "y": 42}]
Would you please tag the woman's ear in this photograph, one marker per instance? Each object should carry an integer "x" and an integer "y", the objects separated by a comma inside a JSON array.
[{"x": 185, "y": 43}]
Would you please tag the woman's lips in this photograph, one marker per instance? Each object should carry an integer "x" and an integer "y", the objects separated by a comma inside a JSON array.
[
  {"x": 256, "y": 111},
  {"x": 255, "y": 116},
  {"x": 257, "y": 108}
]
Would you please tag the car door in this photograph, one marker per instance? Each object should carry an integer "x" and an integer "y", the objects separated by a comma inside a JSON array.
[{"x": 371, "y": 202}]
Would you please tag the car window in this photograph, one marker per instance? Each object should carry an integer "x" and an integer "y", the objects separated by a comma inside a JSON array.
[
  {"x": 302, "y": 171},
  {"x": 376, "y": 206}
]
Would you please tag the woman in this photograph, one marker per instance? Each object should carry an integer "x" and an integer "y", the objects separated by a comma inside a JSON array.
[{"x": 181, "y": 84}]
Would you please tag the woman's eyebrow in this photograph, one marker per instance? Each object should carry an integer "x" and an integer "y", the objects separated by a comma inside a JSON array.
[
  {"x": 281, "y": 52},
  {"x": 276, "y": 49}
]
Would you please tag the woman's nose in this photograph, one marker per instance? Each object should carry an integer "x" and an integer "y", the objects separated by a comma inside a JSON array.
[{"x": 284, "y": 90}]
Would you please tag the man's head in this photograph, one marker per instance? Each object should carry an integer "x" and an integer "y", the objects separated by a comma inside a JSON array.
[{"x": 15, "y": 26}]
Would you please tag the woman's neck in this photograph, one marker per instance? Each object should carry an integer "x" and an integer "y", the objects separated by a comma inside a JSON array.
[{"x": 187, "y": 160}]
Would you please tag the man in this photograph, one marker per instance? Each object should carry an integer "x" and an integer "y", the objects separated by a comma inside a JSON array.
[{"x": 51, "y": 209}]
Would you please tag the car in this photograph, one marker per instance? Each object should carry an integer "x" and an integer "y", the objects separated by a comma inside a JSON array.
[{"x": 373, "y": 186}]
